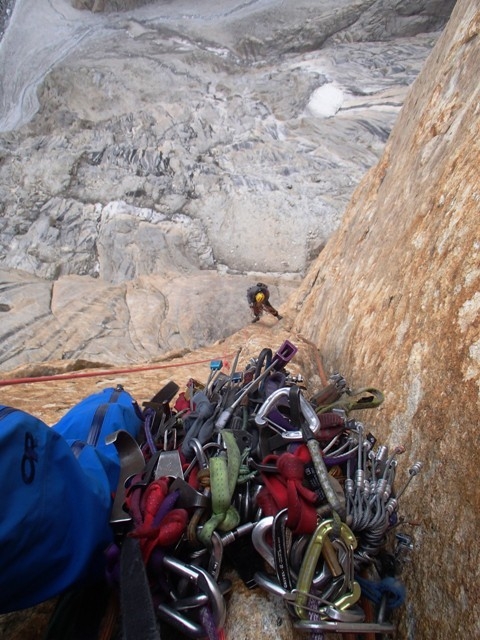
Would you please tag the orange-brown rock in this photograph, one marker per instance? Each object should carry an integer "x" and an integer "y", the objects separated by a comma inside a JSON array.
[{"x": 394, "y": 301}]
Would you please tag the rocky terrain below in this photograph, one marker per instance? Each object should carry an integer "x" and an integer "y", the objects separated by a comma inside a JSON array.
[{"x": 156, "y": 161}]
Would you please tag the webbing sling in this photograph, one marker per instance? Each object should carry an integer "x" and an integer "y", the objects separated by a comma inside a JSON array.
[
  {"x": 349, "y": 401},
  {"x": 223, "y": 479},
  {"x": 99, "y": 417},
  {"x": 284, "y": 489},
  {"x": 138, "y": 615}
]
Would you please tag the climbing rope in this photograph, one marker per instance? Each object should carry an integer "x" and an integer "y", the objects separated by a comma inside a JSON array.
[{"x": 95, "y": 374}]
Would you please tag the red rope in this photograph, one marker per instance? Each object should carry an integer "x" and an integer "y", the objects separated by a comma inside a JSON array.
[{"x": 94, "y": 374}]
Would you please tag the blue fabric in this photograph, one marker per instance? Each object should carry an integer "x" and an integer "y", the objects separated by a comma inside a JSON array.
[
  {"x": 92, "y": 419},
  {"x": 391, "y": 587},
  {"x": 56, "y": 503}
]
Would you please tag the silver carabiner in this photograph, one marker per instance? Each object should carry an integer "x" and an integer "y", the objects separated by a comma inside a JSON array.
[
  {"x": 203, "y": 581},
  {"x": 259, "y": 533},
  {"x": 273, "y": 400}
]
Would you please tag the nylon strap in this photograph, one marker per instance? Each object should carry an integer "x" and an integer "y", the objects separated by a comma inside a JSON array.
[
  {"x": 224, "y": 472},
  {"x": 349, "y": 403},
  {"x": 138, "y": 615},
  {"x": 99, "y": 416}
]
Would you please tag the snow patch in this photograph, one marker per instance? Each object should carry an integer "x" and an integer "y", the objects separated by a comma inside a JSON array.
[{"x": 325, "y": 101}]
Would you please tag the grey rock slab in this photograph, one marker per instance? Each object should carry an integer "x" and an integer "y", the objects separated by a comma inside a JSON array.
[
  {"x": 135, "y": 321},
  {"x": 201, "y": 144}
]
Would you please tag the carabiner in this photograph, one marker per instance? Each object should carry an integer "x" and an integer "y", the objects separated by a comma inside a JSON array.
[
  {"x": 259, "y": 533},
  {"x": 307, "y": 570},
  {"x": 204, "y": 582},
  {"x": 306, "y": 409}
]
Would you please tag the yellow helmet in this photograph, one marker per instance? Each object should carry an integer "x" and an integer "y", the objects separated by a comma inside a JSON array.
[{"x": 260, "y": 297}]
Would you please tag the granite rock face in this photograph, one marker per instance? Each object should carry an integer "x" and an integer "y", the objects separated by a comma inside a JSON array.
[
  {"x": 171, "y": 145},
  {"x": 394, "y": 301}
]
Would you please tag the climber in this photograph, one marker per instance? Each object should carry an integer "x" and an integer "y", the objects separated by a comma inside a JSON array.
[{"x": 258, "y": 301}]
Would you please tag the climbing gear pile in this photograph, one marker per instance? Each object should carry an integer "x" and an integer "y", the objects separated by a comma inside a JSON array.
[{"x": 254, "y": 472}]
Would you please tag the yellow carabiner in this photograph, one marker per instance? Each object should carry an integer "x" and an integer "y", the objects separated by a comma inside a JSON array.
[{"x": 309, "y": 563}]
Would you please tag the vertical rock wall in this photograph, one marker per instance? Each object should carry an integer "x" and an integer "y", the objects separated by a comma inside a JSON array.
[{"x": 393, "y": 301}]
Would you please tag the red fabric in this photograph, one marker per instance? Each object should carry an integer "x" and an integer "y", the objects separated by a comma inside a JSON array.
[
  {"x": 172, "y": 525},
  {"x": 152, "y": 499},
  {"x": 133, "y": 498},
  {"x": 285, "y": 490},
  {"x": 181, "y": 402},
  {"x": 167, "y": 534}
]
